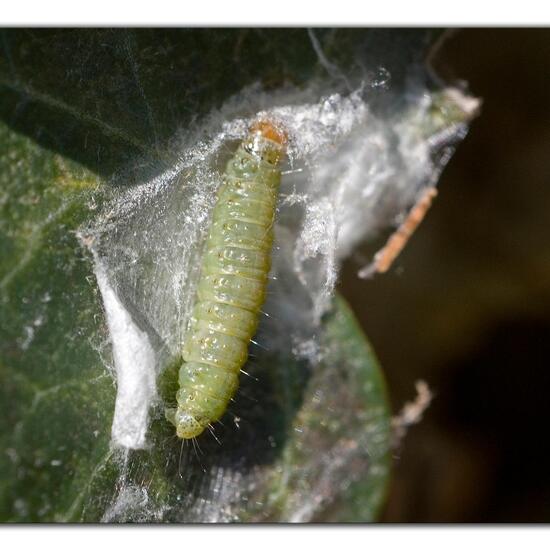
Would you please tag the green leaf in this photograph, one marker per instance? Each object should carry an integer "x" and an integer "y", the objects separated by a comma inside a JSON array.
[
  {"x": 83, "y": 112},
  {"x": 306, "y": 439},
  {"x": 55, "y": 388}
]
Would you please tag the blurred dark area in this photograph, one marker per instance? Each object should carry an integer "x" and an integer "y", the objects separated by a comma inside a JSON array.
[{"x": 466, "y": 307}]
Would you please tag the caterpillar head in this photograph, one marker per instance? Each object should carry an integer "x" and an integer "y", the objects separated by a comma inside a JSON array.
[{"x": 267, "y": 140}]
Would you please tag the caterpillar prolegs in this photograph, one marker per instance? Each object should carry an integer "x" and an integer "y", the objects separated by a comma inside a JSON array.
[{"x": 232, "y": 283}]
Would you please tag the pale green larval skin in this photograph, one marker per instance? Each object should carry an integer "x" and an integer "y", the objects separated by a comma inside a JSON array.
[{"x": 232, "y": 285}]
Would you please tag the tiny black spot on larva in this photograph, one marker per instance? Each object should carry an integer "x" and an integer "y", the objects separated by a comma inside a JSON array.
[{"x": 221, "y": 329}]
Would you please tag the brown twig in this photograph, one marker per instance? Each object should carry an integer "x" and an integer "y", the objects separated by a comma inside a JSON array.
[
  {"x": 412, "y": 412},
  {"x": 385, "y": 257}
]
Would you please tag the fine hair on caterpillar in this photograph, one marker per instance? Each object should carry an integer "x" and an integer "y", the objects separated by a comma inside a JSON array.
[{"x": 232, "y": 283}]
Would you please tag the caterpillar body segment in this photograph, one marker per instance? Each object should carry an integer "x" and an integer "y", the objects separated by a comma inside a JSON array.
[{"x": 232, "y": 284}]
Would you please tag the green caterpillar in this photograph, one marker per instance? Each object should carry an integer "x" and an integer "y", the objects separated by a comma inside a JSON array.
[{"x": 232, "y": 284}]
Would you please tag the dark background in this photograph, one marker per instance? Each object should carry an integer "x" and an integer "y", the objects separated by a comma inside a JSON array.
[{"x": 466, "y": 307}]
